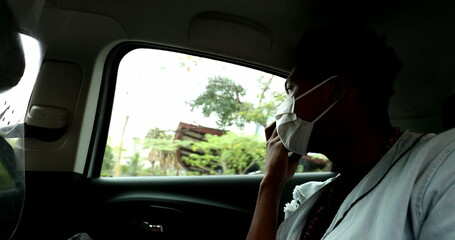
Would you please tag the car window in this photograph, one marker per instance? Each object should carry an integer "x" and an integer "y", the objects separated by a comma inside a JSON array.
[{"x": 177, "y": 115}]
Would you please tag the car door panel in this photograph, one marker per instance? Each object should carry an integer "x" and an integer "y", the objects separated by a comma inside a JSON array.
[
  {"x": 58, "y": 205},
  {"x": 212, "y": 207}
]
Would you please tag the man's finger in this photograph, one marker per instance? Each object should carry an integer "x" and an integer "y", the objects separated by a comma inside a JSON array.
[{"x": 269, "y": 130}]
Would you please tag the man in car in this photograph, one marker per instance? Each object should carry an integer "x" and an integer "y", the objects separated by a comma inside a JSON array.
[{"x": 392, "y": 184}]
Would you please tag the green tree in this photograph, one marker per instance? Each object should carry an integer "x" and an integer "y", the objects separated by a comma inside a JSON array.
[
  {"x": 162, "y": 154},
  {"x": 227, "y": 154},
  {"x": 222, "y": 97},
  {"x": 135, "y": 165},
  {"x": 108, "y": 162}
]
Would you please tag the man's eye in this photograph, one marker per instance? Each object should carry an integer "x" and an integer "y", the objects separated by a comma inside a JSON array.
[{"x": 289, "y": 90}]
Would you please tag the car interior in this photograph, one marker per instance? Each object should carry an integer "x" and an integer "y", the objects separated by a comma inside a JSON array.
[{"x": 72, "y": 98}]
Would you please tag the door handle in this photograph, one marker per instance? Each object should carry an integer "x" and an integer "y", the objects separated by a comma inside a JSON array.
[{"x": 154, "y": 227}]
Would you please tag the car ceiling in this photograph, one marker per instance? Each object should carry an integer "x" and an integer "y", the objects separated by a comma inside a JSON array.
[{"x": 263, "y": 32}]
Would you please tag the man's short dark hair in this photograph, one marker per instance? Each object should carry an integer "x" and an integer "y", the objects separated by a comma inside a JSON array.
[{"x": 352, "y": 51}]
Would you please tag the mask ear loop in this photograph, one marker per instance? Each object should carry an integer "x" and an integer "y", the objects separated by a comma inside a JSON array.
[
  {"x": 330, "y": 107},
  {"x": 314, "y": 88},
  {"x": 308, "y": 92}
]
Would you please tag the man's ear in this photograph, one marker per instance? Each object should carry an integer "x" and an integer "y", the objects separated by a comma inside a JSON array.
[{"x": 338, "y": 87}]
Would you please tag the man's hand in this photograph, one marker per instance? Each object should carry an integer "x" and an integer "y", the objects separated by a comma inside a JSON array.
[
  {"x": 279, "y": 169},
  {"x": 279, "y": 166}
]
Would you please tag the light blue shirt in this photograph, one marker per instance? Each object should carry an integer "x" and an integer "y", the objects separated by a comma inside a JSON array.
[{"x": 414, "y": 200}]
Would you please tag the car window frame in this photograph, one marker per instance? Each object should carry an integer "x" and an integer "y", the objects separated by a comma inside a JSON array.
[{"x": 106, "y": 96}]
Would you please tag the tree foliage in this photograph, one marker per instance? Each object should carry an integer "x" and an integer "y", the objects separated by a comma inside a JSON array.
[
  {"x": 162, "y": 152},
  {"x": 108, "y": 162},
  {"x": 223, "y": 98},
  {"x": 135, "y": 165},
  {"x": 228, "y": 154}
]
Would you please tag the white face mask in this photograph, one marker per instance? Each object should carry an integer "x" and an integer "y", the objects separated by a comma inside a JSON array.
[{"x": 293, "y": 131}]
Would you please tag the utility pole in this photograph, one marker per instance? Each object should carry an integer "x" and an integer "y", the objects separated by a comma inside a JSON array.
[{"x": 118, "y": 164}]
